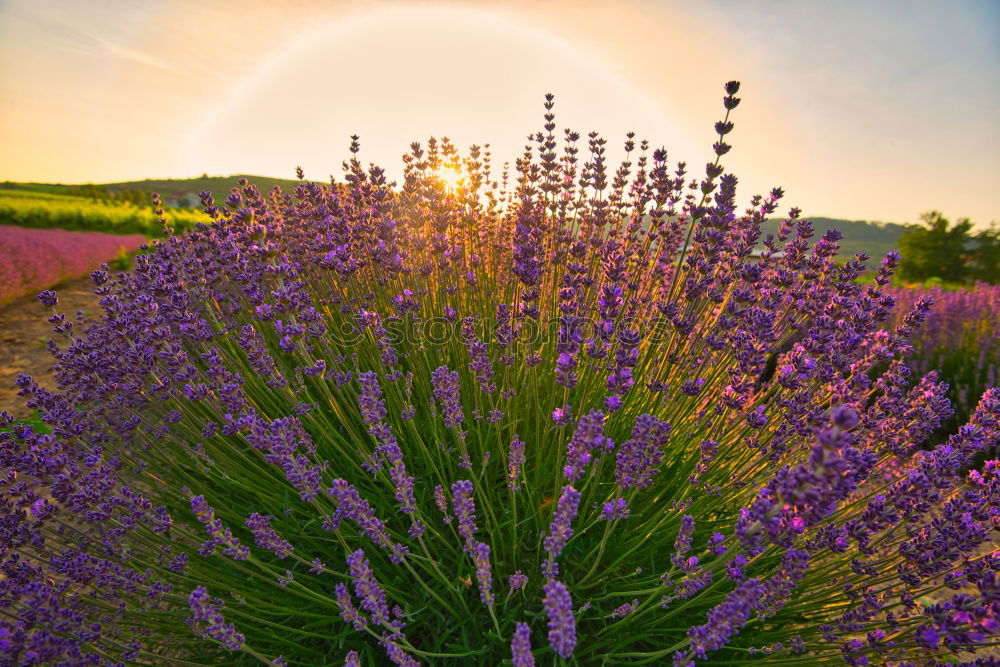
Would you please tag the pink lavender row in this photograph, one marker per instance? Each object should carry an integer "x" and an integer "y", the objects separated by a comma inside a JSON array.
[{"x": 35, "y": 259}]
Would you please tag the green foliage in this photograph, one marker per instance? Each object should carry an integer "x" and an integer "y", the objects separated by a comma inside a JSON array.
[
  {"x": 949, "y": 252},
  {"x": 122, "y": 261},
  {"x": 40, "y": 210},
  {"x": 35, "y": 422}
]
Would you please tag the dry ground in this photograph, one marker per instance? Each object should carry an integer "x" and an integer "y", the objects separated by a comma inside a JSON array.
[{"x": 23, "y": 331}]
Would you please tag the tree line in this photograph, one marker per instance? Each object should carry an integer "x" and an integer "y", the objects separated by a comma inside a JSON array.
[{"x": 950, "y": 252}]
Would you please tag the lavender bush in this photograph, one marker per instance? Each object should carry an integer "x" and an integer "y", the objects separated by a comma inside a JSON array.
[
  {"x": 960, "y": 341},
  {"x": 523, "y": 419}
]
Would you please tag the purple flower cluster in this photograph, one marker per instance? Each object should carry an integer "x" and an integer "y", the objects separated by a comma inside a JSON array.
[
  {"x": 517, "y": 581},
  {"x": 959, "y": 340},
  {"x": 639, "y": 458},
  {"x": 446, "y": 391},
  {"x": 221, "y": 536},
  {"x": 207, "y": 621},
  {"x": 373, "y": 411},
  {"x": 515, "y": 459},
  {"x": 465, "y": 512},
  {"x": 560, "y": 530},
  {"x": 562, "y": 624},
  {"x": 520, "y": 646},
  {"x": 588, "y": 438},
  {"x": 484, "y": 572},
  {"x": 350, "y": 505},
  {"x": 367, "y": 589},
  {"x": 266, "y": 537}
]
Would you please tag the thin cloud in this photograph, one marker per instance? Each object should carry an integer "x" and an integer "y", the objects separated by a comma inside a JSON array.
[{"x": 132, "y": 54}]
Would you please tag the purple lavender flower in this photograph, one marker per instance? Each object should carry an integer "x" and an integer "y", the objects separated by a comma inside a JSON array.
[
  {"x": 625, "y": 609},
  {"x": 639, "y": 458},
  {"x": 367, "y": 588},
  {"x": 370, "y": 400},
  {"x": 221, "y": 536},
  {"x": 515, "y": 459},
  {"x": 442, "y": 503},
  {"x": 520, "y": 646},
  {"x": 614, "y": 510},
  {"x": 562, "y": 624},
  {"x": 560, "y": 529},
  {"x": 352, "y": 506},
  {"x": 446, "y": 391},
  {"x": 266, "y": 537},
  {"x": 726, "y": 619},
  {"x": 215, "y": 626},
  {"x": 465, "y": 511},
  {"x": 348, "y": 611},
  {"x": 398, "y": 656},
  {"x": 683, "y": 542},
  {"x": 516, "y": 582},
  {"x": 484, "y": 572},
  {"x": 588, "y": 437},
  {"x": 802, "y": 407},
  {"x": 562, "y": 416},
  {"x": 373, "y": 412}
]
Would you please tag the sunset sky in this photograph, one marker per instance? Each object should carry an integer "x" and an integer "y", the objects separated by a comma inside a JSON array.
[{"x": 865, "y": 110}]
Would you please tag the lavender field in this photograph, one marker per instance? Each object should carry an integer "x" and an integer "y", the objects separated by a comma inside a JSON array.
[
  {"x": 34, "y": 259},
  {"x": 960, "y": 341},
  {"x": 499, "y": 333},
  {"x": 572, "y": 415}
]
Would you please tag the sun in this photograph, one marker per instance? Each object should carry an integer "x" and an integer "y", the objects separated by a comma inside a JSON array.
[{"x": 453, "y": 178}]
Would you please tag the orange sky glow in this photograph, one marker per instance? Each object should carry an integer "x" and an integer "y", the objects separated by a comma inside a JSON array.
[{"x": 872, "y": 114}]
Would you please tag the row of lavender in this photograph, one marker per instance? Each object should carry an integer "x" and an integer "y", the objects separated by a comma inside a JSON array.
[
  {"x": 960, "y": 341},
  {"x": 525, "y": 420},
  {"x": 34, "y": 259}
]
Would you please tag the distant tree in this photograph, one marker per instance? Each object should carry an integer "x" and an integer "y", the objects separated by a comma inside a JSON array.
[
  {"x": 95, "y": 192},
  {"x": 987, "y": 255},
  {"x": 939, "y": 249}
]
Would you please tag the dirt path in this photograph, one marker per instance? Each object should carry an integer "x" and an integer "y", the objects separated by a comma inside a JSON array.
[{"x": 24, "y": 329}]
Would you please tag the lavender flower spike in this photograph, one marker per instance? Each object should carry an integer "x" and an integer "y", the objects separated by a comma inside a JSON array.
[
  {"x": 367, "y": 589},
  {"x": 560, "y": 530},
  {"x": 589, "y": 436},
  {"x": 204, "y": 611},
  {"x": 562, "y": 624},
  {"x": 266, "y": 537},
  {"x": 638, "y": 459},
  {"x": 484, "y": 572},
  {"x": 348, "y": 611},
  {"x": 465, "y": 510},
  {"x": 520, "y": 646},
  {"x": 446, "y": 391},
  {"x": 515, "y": 461},
  {"x": 351, "y": 505}
]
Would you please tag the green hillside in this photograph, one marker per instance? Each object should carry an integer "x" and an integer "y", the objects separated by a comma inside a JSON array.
[
  {"x": 172, "y": 190},
  {"x": 874, "y": 238},
  {"x": 219, "y": 186}
]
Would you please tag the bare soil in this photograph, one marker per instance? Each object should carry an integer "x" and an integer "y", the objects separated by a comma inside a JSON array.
[{"x": 24, "y": 330}]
